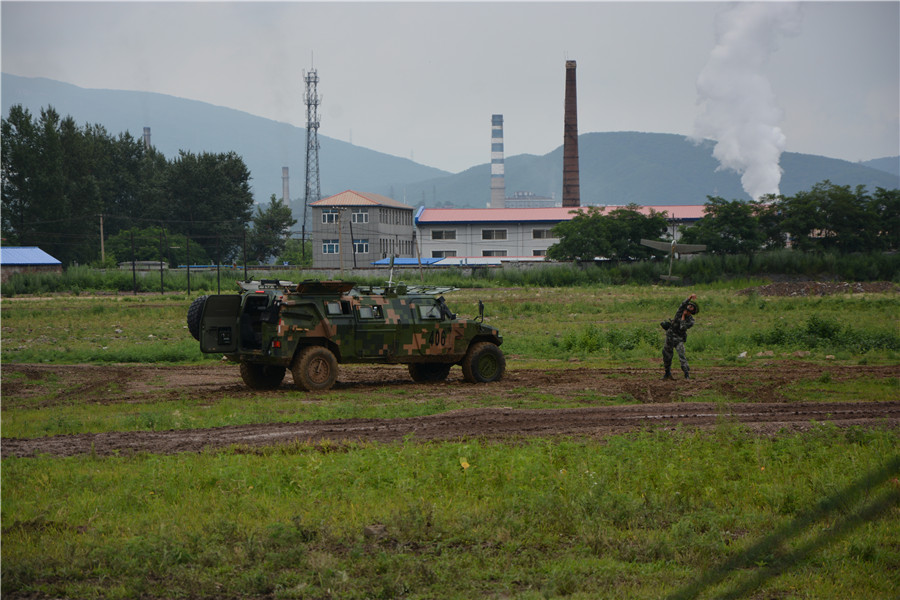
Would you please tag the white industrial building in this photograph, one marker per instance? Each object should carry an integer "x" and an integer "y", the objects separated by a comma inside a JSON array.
[{"x": 494, "y": 235}]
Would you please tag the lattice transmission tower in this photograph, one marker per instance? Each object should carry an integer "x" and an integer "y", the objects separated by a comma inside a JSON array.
[{"x": 313, "y": 190}]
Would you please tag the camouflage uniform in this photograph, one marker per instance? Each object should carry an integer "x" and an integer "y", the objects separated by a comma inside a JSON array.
[{"x": 676, "y": 336}]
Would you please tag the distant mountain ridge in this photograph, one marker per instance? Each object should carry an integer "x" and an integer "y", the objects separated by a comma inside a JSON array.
[
  {"x": 178, "y": 124},
  {"x": 888, "y": 164},
  {"x": 616, "y": 167}
]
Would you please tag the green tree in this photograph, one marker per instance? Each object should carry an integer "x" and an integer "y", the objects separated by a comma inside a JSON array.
[
  {"x": 19, "y": 159},
  {"x": 768, "y": 210},
  {"x": 617, "y": 236},
  {"x": 59, "y": 178},
  {"x": 208, "y": 198},
  {"x": 583, "y": 237},
  {"x": 727, "y": 227},
  {"x": 271, "y": 227},
  {"x": 627, "y": 226},
  {"x": 154, "y": 243},
  {"x": 297, "y": 253},
  {"x": 850, "y": 223},
  {"x": 35, "y": 188},
  {"x": 885, "y": 205}
]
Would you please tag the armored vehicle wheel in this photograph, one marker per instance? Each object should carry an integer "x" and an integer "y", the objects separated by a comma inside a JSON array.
[
  {"x": 429, "y": 372},
  {"x": 261, "y": 377},
  {"x": 483, "y": 363},
  {"x": 193, "y": 316},
  {"x": 315, "y": 369}
]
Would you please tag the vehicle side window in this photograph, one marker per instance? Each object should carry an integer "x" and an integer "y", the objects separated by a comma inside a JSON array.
[
  {"x": 370, "y": 312},
  {"x": 333, "y": 308},
  {"x": 430, "y": 311}
]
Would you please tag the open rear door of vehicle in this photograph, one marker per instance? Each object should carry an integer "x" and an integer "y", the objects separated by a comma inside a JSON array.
[{"x": 219, "y": 330}]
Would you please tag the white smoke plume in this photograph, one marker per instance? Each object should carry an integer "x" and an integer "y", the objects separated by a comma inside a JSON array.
[{"x": 737, "y": 105}]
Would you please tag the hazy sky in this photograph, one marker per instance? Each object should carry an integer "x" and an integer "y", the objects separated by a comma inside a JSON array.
[{"x": 421, "y": 80}]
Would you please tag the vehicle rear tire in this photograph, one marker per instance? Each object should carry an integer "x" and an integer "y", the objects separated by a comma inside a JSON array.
[
  {"x": 429, "y": 372},
  {"x": 193, "y": 316},
  {"x": 483, "y": 363},
  {"x": 315, "y": 369},
  {"x": 262, "y": 377}
]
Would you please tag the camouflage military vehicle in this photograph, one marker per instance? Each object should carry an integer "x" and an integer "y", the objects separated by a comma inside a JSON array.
[{"x": 311, "y": 327}]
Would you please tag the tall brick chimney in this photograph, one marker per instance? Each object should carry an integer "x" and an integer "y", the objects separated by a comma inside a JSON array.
[{"x": 571, "y": 195}]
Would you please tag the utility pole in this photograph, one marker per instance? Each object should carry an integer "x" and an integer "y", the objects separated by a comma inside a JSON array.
[
  {"x": 162, "y": 288},
  {"x": 102, "y": 249},
  {"x": 313, "y": 190},
  {"x": 340, "y": 243}
]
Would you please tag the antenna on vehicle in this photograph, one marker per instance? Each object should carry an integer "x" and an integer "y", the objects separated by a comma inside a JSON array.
[{"x": 391, "y": 276}]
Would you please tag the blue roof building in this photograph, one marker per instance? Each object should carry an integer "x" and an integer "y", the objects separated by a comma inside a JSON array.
[
  {"x": 25, "y": 255},
  {"x": 26, "y": 259}
]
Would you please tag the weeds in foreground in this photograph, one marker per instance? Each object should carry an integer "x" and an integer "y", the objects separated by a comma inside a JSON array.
[{"x": 641, "y": 516}]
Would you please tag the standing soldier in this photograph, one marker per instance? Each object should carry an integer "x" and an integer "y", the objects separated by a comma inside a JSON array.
[{"x": 676, "y": 335}]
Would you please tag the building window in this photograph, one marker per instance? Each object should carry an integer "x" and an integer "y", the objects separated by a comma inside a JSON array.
[
  {"x": 442, "y": 253},
  {"x": 359, "y": 215},
  {"x": 493, "y": 234},
  {"x": 539, "y": 253},
  {"x": 330, "y": 215},
  {"x": 443, "y": 234},
  {"x": 360, "y": 246},
  {"x": 330, "y": 247},
  {"x": 541, "y": 234},
  {"x": 493, "y": 252}
]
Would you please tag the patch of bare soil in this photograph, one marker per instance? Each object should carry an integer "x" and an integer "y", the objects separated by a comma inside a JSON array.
[
  {"x": 821, "y": 288},
  {"x": 757, "y": 391}
]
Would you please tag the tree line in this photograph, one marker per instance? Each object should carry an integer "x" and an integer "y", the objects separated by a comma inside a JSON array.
[
  {"x": 62, "y": 185},
  {"x": 827, "y": 218},
  {"x": 65, "y": 187}
]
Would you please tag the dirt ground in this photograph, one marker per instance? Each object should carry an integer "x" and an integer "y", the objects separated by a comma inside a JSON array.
[{"x": 758, "y": 392}]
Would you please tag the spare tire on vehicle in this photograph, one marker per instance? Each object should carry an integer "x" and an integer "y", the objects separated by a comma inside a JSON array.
[{"x": 193, "y": 316}]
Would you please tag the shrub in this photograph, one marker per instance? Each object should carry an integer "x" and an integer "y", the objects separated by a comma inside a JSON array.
[{"x": 819, "y": 332}]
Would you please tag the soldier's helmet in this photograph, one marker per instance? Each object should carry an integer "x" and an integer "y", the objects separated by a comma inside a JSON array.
[{"x": 693, "y": 308}]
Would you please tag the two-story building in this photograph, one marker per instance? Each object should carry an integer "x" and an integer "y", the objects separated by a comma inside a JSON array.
[{"x": 354, "y": 229}]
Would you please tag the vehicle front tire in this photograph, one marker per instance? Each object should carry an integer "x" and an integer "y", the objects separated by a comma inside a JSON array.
[
  {"x": 193, "y": 316},
  {"x": 262, "y": 377},
  {"x": 483, "y": 363},
  {"x": 315, "y": 369},
  {"x": 429, "y": 372}
]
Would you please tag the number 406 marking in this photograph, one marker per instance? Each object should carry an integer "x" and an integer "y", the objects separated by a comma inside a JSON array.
[{"x": 438, "y": 338}]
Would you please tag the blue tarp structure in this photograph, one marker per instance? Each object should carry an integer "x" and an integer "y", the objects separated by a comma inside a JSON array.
[
  {"x": 407, "y": 262},
  {"x": 25, "y": 255}
]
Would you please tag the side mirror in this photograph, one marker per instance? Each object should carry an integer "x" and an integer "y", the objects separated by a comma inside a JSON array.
[{"x": 480, "y": 318}]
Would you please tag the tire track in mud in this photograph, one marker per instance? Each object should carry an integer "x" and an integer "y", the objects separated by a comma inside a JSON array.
[
  {"x": 484, "y": 423},
  {"x": 757, "y": 390}
]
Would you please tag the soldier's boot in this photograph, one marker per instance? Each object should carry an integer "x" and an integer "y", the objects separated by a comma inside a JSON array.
[
  {"x": 687, "y": 374},
  {"x": 668, "y": 375}
]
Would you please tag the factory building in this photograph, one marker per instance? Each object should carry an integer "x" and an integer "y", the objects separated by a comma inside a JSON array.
[{"x": 495, "y": 235}]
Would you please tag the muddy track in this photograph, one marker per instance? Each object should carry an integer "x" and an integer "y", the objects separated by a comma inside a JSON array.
[{"x": 760, "y": 396}]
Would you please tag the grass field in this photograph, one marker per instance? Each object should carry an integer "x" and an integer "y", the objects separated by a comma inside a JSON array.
[
  {"x": 654, "y": 514},
  {"x": 615, "y": 325}
]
